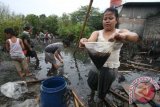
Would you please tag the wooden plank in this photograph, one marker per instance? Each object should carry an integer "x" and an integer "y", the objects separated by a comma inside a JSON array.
[
  {"x": 138, "y": 63},
  {"x": 124, "y": 71},
  {"x": 140, "y": 68},
  {"x": 126, "y": 87}
]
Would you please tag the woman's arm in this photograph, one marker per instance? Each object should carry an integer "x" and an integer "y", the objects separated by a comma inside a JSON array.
[
  {"x": 126, "y": 35},
  {"x": 131, "y": 36},
  {"x": 92, "y": 38}
]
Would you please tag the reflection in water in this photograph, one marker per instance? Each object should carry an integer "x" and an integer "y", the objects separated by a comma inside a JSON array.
[
  {"x": 79, "y": 64},
  {"x": 76, "y": 65}
]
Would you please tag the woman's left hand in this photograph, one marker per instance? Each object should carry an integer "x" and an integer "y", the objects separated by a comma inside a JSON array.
[
  {"x": 61, "y": 61},
  {"x": 126, "y": 35},
  {"x": 120, "y": 36}
]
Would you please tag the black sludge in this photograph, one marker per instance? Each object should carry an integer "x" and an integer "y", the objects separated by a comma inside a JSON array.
[{"x": 99, "y": 58}]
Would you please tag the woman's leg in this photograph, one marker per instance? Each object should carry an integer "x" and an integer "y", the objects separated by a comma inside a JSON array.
[
  {"x": 106, "y": 78},
  {"x": 19, "y": 69},
  {"x": 26, "y": 67}
]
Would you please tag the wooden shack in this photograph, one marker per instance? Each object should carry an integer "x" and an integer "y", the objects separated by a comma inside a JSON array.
[
  {"x": 141, "y": 17},
  {"x": 144, "y": 19}
]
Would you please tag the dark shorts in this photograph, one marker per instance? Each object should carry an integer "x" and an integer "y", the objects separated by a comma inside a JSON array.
[
  {"x": 106, "y": 78},
  {"x": 31, "y": 54}
]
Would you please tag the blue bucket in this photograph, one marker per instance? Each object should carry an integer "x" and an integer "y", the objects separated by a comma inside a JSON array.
[{"x": 52, "y": 92}]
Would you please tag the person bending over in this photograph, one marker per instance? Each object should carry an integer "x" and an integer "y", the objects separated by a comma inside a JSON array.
[{"x": 53, "y": 52}]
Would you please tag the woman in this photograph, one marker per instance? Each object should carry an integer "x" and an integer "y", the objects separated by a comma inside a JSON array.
[{"x": 111, "y": 34}]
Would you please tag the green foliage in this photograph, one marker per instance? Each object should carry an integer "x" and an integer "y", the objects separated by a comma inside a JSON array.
[
  {"x": 79, "y": 15},
  {"x": 71, "y": 31},
  {"x": 52, "y": 23},
  {"x": 33, "y": 20},
  {"x": 42, "y": 23},
  {"x": 8, "y": 19},
  {"x": 94, "y": 21},
  {"x": 68, "y": 26},
  {"x": 14, "y": 22},
  {"x": 42, "y": 19}
]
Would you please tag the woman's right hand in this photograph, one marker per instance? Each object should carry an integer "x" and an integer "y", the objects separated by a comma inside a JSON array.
[{"x": 82, "y": 42}]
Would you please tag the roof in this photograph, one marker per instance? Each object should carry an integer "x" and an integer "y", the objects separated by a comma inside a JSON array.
[
  {"x": 146, "y": 1},
  {"x": 142, "y": 3}
]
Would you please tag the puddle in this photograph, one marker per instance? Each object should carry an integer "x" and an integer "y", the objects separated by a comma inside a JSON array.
[{"x": 77, "y": 76}]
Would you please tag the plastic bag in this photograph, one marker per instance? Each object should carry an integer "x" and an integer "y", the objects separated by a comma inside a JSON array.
[
  {"x": 99, "y": 52},
  {"x": 14, "y": 89},
  {"x": 102, "y": 47},
  {"x": 99, "y": 47}
]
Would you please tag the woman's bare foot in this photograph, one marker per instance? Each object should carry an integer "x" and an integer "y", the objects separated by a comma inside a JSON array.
[
  {"x": 28, "y": 74},
  {"x": 21, "y": 74}
]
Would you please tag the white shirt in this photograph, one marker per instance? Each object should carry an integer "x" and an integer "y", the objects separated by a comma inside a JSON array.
[
  {"x": 113, "y": 60},
  {"x": 16, "y": 49}
]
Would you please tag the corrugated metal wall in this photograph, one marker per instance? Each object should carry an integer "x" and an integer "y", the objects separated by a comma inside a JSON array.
[
  {"x": 152, "y": 28},
  {"x": 135, "y": 25},
  {"x": 133, "y": 16},
  {"x": 138, "y": 11}
]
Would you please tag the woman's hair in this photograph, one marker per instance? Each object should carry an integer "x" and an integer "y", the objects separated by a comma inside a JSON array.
[
  {"x": 115, "y": 12},
  {"x": 9, "y": 31}
]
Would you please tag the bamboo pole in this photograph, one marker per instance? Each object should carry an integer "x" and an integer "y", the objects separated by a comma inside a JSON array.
[
  {"x": 77, "y": 98},
  {"x": 75, "y": 102},
  {"x": 85, "y": 21}
]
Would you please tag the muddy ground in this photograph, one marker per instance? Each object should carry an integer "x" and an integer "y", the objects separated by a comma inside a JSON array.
[
  {"x": 75, "y": 71},
  {"x": 76, "y": 76}
]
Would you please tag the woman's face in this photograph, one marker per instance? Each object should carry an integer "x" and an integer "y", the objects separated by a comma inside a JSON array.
[{"x": 109, "y": 21}]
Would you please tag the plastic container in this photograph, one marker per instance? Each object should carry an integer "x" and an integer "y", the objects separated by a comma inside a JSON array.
[{"x": 52, "y": 92}]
